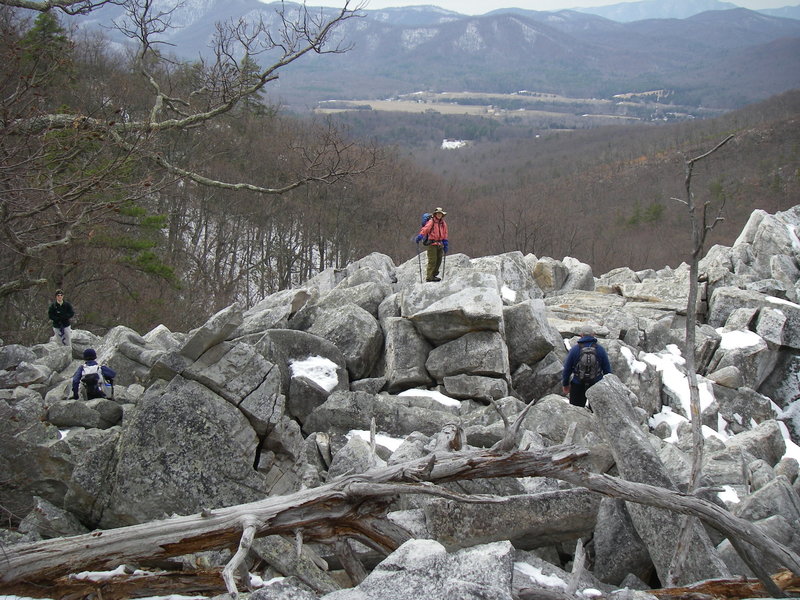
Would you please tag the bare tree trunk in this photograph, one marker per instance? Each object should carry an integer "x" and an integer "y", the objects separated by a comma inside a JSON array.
[{"x": 700, "y": 229}]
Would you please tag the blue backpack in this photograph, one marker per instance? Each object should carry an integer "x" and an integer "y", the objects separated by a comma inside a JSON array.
[{"x": 425, "y": 218}]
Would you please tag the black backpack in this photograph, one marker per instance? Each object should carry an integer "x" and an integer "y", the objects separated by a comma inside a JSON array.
[{"x": 587, "y": 369}]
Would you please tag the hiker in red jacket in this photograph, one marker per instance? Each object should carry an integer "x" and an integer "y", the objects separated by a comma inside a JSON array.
[{"x": 434, "y": 235}]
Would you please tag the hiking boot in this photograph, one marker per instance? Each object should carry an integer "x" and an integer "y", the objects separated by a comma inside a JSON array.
[{"x": 433, "y": 279}]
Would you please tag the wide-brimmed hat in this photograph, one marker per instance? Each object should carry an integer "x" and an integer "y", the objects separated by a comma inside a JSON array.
[{"x": 438, "y": 209}]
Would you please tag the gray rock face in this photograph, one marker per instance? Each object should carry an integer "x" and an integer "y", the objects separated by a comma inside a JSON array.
[
  {"x": 480, "y": 353},
  {"x": 406, "y": 353},
  {"x": 528, "y": 520},
  {"x": 356, "y": 333},
  {"x": 637, "y": 460},
  {"x": 619, "y": 551},
  {"x": 100, "y": 413},
  {"x": 183, "y": 450},
  {"x": 424, "y": 569},
  {"x": 265, "y": 402},
  {"x": 283, "y": 347},
  {"x": 49, "y": 521},
  {"x": 529, "y": 335},
  {"x": 215, "y": 330},
  {"x": 454, "y": 308},
  {"x": 395, "y": 415}
]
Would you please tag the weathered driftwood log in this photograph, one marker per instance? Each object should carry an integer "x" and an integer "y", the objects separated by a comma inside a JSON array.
[
  {"x": 350, "y": 507},
  {"x": 354, "y": 507}
]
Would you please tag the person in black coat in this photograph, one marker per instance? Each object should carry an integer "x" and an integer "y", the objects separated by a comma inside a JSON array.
[{"x": 60, "y": 313}]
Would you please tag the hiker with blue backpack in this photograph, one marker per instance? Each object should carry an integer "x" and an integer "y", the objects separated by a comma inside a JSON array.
[
  {"x": 93, "y": 379},
  {"x": 433, "y": 235},
  {"x": 586, "y": 364}
]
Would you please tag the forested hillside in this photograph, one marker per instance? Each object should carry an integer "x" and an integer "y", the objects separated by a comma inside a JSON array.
[
  {"x": 130, "y": 198},
  {"x": 606, "y": 196}
]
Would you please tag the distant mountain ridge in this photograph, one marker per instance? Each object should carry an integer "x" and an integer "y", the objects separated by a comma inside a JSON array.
[{"x": 402, "y": 50}]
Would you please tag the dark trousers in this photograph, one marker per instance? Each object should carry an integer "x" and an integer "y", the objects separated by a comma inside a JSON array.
[
  {"x": 435, "y": 254},
  {"x": 577, "y": 393}
]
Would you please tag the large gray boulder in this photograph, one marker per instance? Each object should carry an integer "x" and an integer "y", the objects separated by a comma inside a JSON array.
[
  {"x": 454, "y": 307},
  {"x": 355, "y": 332},
  {"x": 13, "y": 354},
  {"x": 423, "y": 569},
  {"x": 406, "y": 352},
  {"x": 528, "y": 520},
  {"x": 771, "y": 235},
  {"x": 512, "y": 274},
  {"x": 285, "y": 347},
  {"x": 637, "y": 460},
  {"x": 394, "y": 415},
  {"x": 550, "y": 274},
  {"x": 480, "y": 353},
  {"x": 273, "y": 312},
  {"x": 367, "y": 295},
  {"x": 543, "y": 378},
  {"x": 212, "y": 332},
  {"x": 748, "y": 352},
  {"x": 618, "y": 549},
  {"x": 234, "y": 371},
  {"x": 529, "y": 336},
  {"x": 182, "y": 450},
  {"x": 764, "y": 441},
  {"x": 101, "y": 413}
]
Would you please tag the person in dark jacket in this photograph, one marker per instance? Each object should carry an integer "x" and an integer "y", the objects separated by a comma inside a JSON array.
[
  {"x": 90, "y": 356},
  {"x": 60, "y": 313},
  {"x": 569, "y": 379}
]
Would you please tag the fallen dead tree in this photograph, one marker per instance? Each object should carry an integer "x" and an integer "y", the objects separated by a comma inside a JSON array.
[{"x": 354, "y": 507}]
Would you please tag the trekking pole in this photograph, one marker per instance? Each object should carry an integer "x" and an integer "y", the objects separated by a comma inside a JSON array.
[
  {"x": 444, "y": 264},
  {"x": 419, "y": 262}
]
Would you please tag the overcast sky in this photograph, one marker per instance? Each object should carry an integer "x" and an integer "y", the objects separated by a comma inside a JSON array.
[{"x": 479, "y": 7}]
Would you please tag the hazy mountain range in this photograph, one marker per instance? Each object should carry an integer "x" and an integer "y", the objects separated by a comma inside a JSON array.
[{"x": 705, "y": 52}]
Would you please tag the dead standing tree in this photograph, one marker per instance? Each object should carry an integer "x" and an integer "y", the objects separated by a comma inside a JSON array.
[{"x": 701, "y": 225}]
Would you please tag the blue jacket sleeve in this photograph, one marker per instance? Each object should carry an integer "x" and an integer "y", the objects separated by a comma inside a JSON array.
[
  {"x": 605, "y": 364},
  {"x": 569, "y": 365},
  {"x": 108, "y": 372},
  {"x": 76, "y": 381}
]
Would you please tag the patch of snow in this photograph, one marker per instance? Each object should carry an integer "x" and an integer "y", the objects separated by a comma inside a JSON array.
[
  {"x": 438, "y": 396},
  {"x": 536, "y": 575},
  {"x": 732, "y": 340},
  {"x": 102, "y": 575},
  {"x": 775, "y": 300},
  {"x": 674, "y": 379},
  {"x": 508, "y": 294},
  {"x": 792, "y": 449},
  {"x": 453, "y": 144},
  {"x": 670, "y": 418},
  {"x": 708, "y": 432},
  {"x": 728, "y": 495},
  {"x": 318, "y": 369},
  {"x": 635, "y": 366},
  {"x": 392, "y": 443}
]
